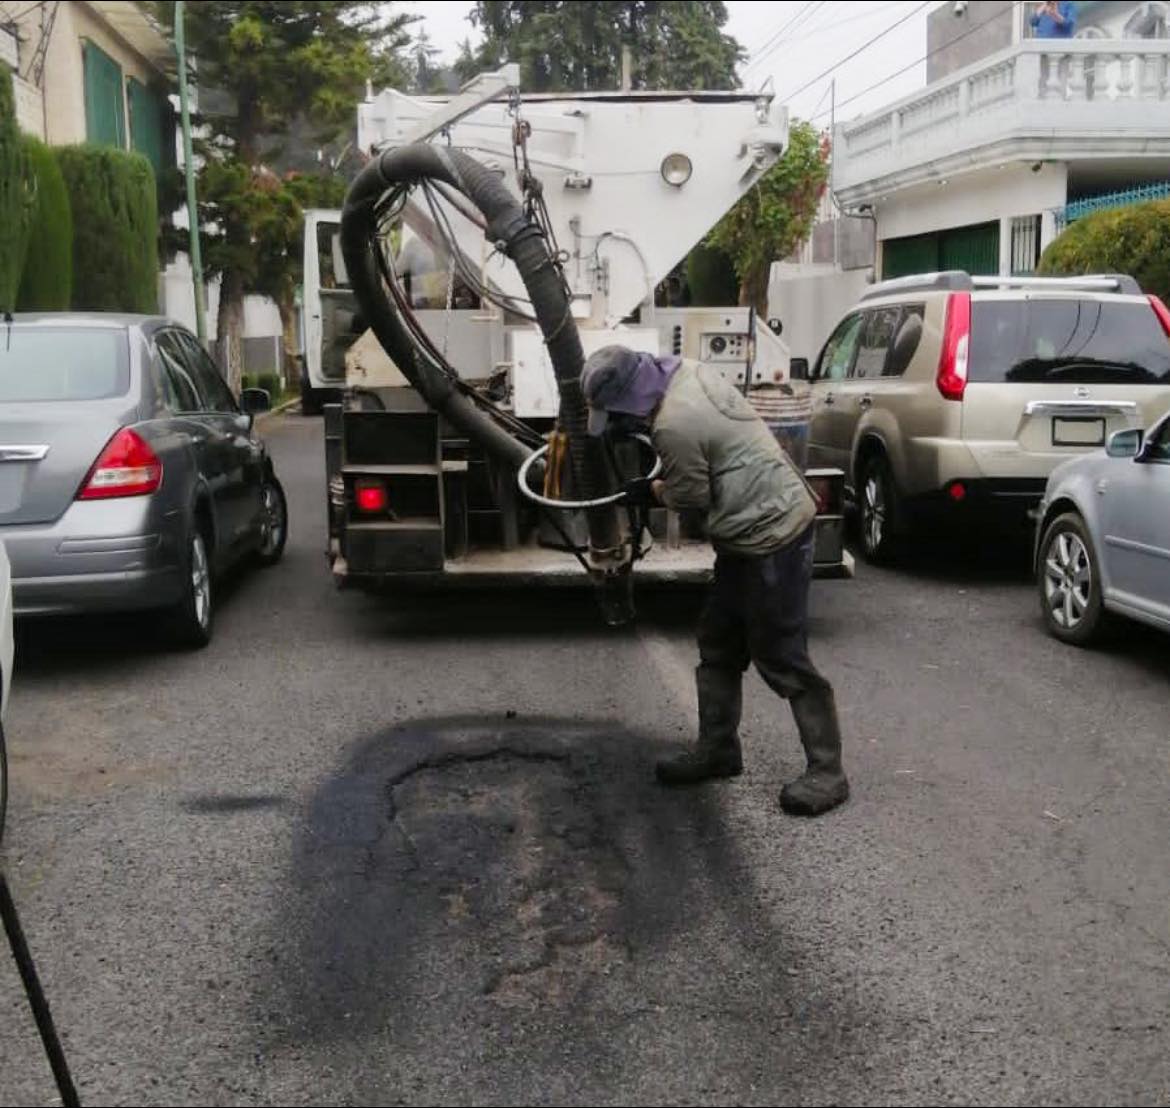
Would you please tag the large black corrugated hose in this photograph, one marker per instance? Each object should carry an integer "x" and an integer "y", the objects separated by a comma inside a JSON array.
[{"x": 523, "y": 242}]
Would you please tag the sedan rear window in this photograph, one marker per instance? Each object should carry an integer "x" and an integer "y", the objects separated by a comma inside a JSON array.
[
  {"x": 41, "y": 365},
  {"x": 1087, "y": 342}
]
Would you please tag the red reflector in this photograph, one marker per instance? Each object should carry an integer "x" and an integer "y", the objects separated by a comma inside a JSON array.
[
  {"x": 371, "y": 496},
  {"x": 126, "y": 467},
  {"x": 1161, "y": 311},
  {"x": 957, "y": 491},
  {"x": 952, "y": 361}
]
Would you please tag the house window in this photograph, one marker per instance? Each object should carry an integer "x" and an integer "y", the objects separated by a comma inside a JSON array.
[
  {"x": 105, "y": 104},
  {"x": 150, "y": 125},
  {"x": 1025, "y": 243}
]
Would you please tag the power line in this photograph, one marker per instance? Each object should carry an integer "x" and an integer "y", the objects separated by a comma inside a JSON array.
[
  {"x": 864, "y": 46},
  {"x": 870, "y": 14},
  {"x": 775, "y": 35},
  {"x": 27, "y": 11},
  {"x": 828, "y": 89},
  {"x": 802, "y": 16},
  {"x": 918, "y": 61}
]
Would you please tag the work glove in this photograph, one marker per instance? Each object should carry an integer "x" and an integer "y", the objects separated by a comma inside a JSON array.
[{"x": 639, "y": 493}]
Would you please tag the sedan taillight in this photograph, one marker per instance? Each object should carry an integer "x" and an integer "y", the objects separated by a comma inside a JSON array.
[{"x": 126, "y": 467}]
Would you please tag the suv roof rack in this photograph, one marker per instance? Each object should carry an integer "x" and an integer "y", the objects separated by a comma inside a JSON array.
[
  {"x": 957, "y": 280},
  {"x": 952, "y": 280},
  {"x": 1094, "y": 282}
]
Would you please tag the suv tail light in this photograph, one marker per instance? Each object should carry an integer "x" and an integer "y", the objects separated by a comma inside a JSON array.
[
  {"x": 1161, "y": 311},
  {"x": 956, "y": 346},
  {"x": 126, "y": 467}
]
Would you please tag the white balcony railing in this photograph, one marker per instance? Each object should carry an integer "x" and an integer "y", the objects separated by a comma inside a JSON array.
[{"x": 1038, "y": 98}]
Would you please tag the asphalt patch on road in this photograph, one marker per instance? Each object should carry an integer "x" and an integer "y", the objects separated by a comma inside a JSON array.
[{"x": 510, "y": 909}]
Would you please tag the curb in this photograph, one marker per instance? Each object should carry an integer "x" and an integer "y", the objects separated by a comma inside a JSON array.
[{"x": 277, "y": 410}]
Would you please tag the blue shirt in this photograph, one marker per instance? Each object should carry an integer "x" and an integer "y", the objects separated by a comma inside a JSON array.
[{"x": 1045, "y": 26}]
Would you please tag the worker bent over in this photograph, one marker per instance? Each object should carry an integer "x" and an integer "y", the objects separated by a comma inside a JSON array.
[{"x": 719, "y": 457}]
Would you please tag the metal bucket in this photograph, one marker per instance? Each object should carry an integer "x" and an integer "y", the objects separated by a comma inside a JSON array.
[{"x": 787, "y": 411}]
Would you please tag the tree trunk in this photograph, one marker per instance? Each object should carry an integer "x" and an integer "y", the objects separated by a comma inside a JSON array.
[
  {"x": 230, "y": 329},
  {"x": 753, "y": 291},
  {"x": 289, "y": 341}
]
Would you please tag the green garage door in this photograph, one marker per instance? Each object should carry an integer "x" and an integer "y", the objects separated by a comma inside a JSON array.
[{"x": 974, "y": 249}]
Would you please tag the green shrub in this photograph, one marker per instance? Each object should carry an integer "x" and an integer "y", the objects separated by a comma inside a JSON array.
[
  {"x": 17, "y": 196},
  {"x": 47, "y": 281},
  {"x": 711, "y": 278},
  {"x": 269, "y": 381},
  {"x": 1134, "y": 240},
  {"x": 115, "y": 229}
]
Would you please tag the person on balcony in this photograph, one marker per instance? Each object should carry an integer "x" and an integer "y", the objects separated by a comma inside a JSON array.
[{"x": 1054, "y": 20}]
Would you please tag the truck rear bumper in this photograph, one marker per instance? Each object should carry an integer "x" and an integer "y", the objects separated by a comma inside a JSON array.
[{"x": 689, "y": 564}]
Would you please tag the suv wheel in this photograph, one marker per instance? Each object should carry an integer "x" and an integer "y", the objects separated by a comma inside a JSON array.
[
  {"x": 1069, "y": 581},
  {"x": 877, "y": 508}
]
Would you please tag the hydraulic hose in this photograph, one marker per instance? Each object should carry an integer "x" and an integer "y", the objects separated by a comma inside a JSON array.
[{"x": 515, "y": 235}]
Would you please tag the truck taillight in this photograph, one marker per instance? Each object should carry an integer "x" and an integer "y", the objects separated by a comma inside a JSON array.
[
  {"x": 370, "y": 497},
  {"x": 126, "y": 467},
  {"x": 956, "y": 347}
]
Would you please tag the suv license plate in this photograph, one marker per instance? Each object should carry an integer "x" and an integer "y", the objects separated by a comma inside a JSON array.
[{"x": 1078, "y": 431}]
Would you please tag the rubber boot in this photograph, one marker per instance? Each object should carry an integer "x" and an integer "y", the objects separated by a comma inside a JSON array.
[
  {"x": 717, "y": 753},
  {"x": 823, "y": 785}
]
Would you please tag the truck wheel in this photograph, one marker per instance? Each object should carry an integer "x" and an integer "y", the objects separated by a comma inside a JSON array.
[{"x": 310, "y": 400}]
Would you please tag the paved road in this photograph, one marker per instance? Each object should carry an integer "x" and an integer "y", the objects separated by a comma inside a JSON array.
[{"x": 372, "y": 853}]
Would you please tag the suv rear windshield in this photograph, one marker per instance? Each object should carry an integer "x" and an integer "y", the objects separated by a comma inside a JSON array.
[
  {"x": 1088, "y": 342},
  {"x": 75, "y": 363}
]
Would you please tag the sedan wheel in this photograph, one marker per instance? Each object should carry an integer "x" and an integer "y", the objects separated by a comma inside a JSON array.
[
  {"x": 273, "y": 523},
  {"x": 1070, "y": 587},
  {"x": 192, "y": 617}
]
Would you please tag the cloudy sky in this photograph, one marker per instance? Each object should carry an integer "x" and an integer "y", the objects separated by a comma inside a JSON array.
[{"x": 794, "y": 43}]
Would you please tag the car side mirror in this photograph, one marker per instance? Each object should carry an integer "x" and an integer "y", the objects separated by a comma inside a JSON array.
[
  {"x": 253, "y": 401},
  {"x": 1125, "y": 444},
  {"x": 798, "y": 369}
]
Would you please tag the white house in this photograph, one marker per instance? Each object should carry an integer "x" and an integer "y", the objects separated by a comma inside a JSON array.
[
  {"x": 90, "y": 72},
  {"x": 1012, "y": 137}
]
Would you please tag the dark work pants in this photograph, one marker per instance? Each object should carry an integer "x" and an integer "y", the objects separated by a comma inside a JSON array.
[{"x": 756, "y": 611}]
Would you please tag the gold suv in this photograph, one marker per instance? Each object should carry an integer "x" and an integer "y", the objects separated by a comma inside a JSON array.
[{"x": 952, "y": 397}]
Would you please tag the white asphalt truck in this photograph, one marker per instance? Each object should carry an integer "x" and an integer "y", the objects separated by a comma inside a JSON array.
[{"x": 490, "y": 244}]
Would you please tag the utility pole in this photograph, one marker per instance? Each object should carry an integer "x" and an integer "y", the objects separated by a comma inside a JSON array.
[
  {"x": 832, "y": 165},
  {"x": 189, "y": 168}
]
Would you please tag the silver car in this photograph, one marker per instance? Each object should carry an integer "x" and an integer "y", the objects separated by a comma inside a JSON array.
[
  {"x": 129, "y": 476},
  {"x": 6, "y": 652},
  {"x": 1104, "y": 536}
]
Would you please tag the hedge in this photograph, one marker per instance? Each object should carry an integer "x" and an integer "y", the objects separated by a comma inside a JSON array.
[
  {"x": 115, "y": 229},
  {"x": 1133, "y": 240},
  {"x": 47, "y": 282},
  {"x": 17, "y": 196}
]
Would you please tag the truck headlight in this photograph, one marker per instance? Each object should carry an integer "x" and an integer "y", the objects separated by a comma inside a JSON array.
[{"x": 676, "y": 169}]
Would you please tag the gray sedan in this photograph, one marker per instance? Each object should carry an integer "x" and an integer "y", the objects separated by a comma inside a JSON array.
[
  {"x": 129, "y": 476},
  {"x": 1104, "y": 536}
]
